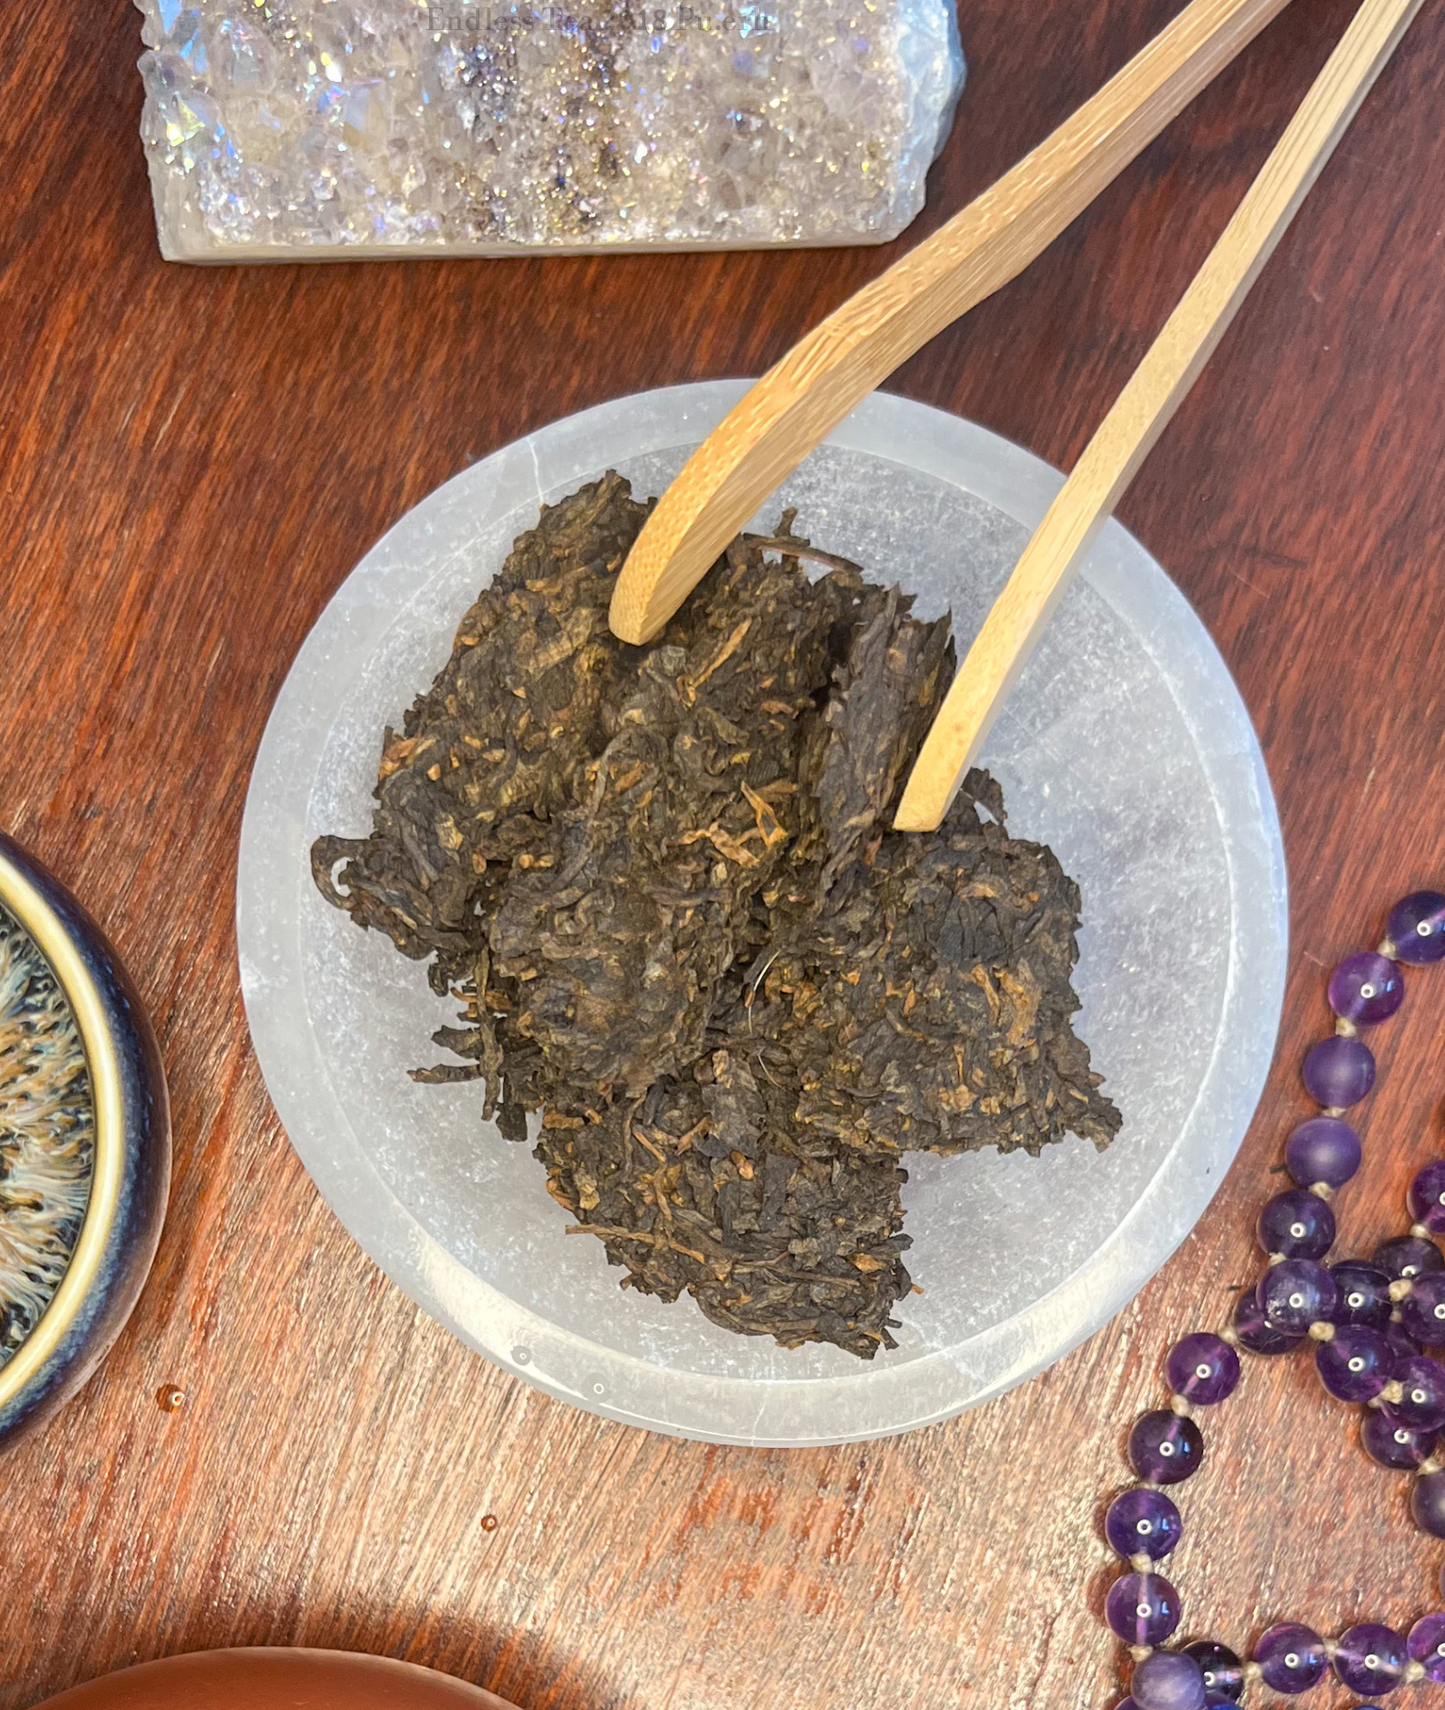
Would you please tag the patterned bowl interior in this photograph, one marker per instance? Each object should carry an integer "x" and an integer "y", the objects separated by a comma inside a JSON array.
[{"x": 47, "y": 1134}]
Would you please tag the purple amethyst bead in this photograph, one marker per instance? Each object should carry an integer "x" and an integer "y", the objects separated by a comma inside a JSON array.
[
  {"x": 1364, "y": 1294},
  {"x": 1371, "y": 1659},
  {"x": 1297, "y": 1293},
  {"x": 1222, "y": 1670},
  {"x": 1426, "y": 1645},
  {"x": 1366, "y": 989},
  {"x": 1142, "y": 1608},
  {"x": 1165, "y": 1449},
  {"x": 1291, "y": 1658},
  {"x": 1298, "y": 1224},
  {"x": 1143, "y": 1520},
  {"x": 1324, "y": 1149},
  {"x": 1400, "y": 1339},
  {"x": 1203, "y": 1367},
  {"x": 1427, "y": 1197},
  {"x": 1392, "y": 1445},
  {"x": 1427, "y": 1503},
  {"x": 1421, "y": 1406},
  {"x": 1408, "y": 1257},
  {"x": 1356, "y": 1365},
  {"x": 1338, "y": 1072},
  {"x": 1254, "y": 1330},
  {"x": 1168, "y": 1680},
  {"x": 1423, "y": 1313},
  {"x": 1417, "y": 928}
]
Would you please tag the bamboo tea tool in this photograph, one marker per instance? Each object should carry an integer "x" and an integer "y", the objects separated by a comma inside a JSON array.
[
  {"x": 799, "y": 402},
  {"x": 1142, "y": 411}
]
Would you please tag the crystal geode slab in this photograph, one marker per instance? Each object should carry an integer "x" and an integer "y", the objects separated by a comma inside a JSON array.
[{"x": 287, "y": 129}]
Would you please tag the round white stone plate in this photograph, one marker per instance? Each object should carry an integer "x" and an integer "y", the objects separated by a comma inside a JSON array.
[{"x": 1125, "y": 746}]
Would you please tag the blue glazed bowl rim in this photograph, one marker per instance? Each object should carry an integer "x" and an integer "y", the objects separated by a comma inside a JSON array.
[{"x": 52, "y": 936}]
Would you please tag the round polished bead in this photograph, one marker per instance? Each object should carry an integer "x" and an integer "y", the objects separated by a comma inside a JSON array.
[
  {"x": 1393, "y": 1445},
  {"x": 1427, "y": 1503},
  {"x": 1401, "y": 1341},
  {"x": 1165, "y": 1449},
  {"x": 1143, "y": 1520},
  {"x": 1142, "y": 1608},
  {"x": 1417, "y": 928},
  {"x": 1366, "y": 989},
  {"x": 1338, "y": 1072},
  {"x": 1356, "y": 1364},
  {"x": 1364, "y": 1294},
  {"x": 1254, "y": 1330},
  {"x": 1298, "y": 1224},
  {"x": 1168, "y": 1680},
  {"x": 1427, "y": 1197},
  {"x": 1426, "y": 1645},
  {"x": 1291, "y": 1658},
  {"x": 1203, "y": 1367},
  {"x": 1408, "y": 1257},
  {"x": 1371, "y": 1658},
  {"x": 1421, "y": 1406},
  {"x": 1324, "y": 1149},
  {"x": 1423, "y": 1313},
  {"x": 1222, "y": 1670},
  {"x": 1296, "y": 1294}
]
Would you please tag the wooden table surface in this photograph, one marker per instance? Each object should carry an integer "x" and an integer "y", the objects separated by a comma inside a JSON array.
[{"x": 194, "y": 459}]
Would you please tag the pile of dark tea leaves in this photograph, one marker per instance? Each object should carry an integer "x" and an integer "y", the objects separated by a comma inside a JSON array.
[{"x": 664, "y": 884}]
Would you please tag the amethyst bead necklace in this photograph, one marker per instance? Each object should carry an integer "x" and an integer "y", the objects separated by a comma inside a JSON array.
[{"x": 1370, "y": 1324}]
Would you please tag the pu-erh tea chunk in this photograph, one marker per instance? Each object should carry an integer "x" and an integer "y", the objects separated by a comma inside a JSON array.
[{"x": 664, "y": 884}]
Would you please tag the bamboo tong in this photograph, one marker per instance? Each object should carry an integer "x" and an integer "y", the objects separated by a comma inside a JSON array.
[{"x": 798, "y": 403}]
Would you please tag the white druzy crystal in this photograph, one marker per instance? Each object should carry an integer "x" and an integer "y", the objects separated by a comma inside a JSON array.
[{"x": 480, "y": 127}]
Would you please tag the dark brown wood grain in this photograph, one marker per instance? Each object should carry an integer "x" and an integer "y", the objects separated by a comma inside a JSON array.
[{"x": 193, "y": 459}]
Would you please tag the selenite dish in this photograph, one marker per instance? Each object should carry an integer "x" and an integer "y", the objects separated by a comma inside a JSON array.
[
  {"x": 315, "y": 129},
  {"x": 1125, "y": 747},
  {"x": 85, "y": 1150}
]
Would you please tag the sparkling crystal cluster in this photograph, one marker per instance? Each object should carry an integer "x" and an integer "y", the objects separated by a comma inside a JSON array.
[{"x": 278, "y": 127}]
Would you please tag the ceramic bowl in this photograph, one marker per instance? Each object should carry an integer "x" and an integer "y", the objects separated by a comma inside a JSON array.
[
  {"x": 84, "y": 1144},
  {"x": 276, "y": 1680}
]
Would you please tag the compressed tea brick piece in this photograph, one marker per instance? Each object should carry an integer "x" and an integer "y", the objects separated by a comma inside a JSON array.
[{"x": 664, "y": 884}]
